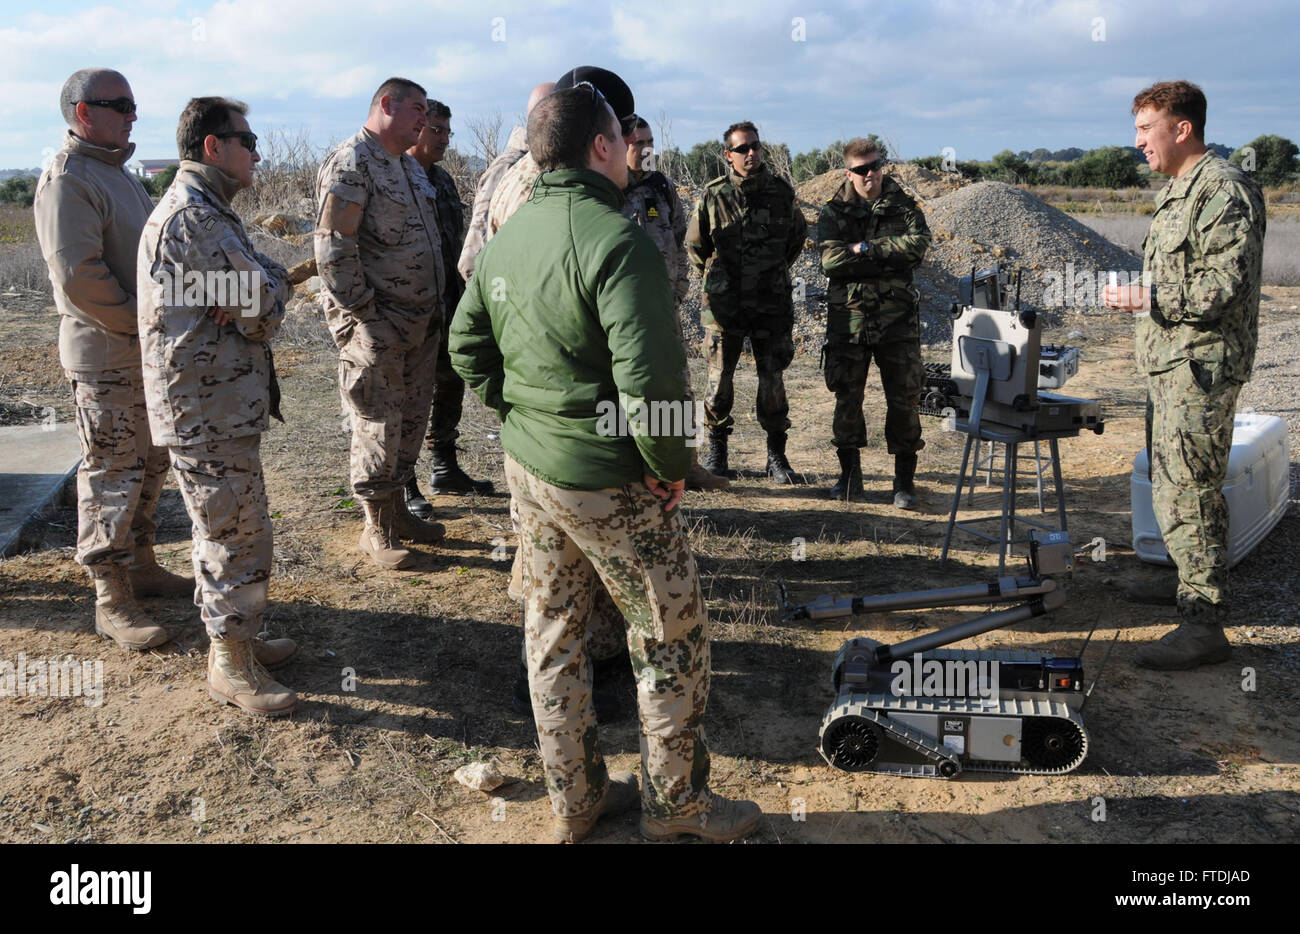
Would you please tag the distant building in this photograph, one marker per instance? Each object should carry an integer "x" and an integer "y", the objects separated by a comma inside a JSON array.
[{"x": 148, "y": 168}]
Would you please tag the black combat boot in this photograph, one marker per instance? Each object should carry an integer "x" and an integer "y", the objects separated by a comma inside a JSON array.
[
  {"x": 904, "y": 488},
  {"x": 778, "y": 468},
  {"x": 715, "y": 458},
  {"x": 416, "y": 504},
  {"x": 447, "y": 477},
  {"x": 849, "y": 484}
]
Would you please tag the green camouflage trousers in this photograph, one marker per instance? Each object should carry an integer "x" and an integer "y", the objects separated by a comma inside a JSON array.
[
  {"x": 606, "y": 631},
  {"x": 225, "y": 496},
  {"x": 773, "y": 349},
  {"x": 902, "y": 376},
  {"x": 386, "y": 387},
  {"x": 568, "y": 538},
  {"x": 121, "y": 474},
  {"x": 1189, "y": 436},
  {"x": 448, "y": 396}
]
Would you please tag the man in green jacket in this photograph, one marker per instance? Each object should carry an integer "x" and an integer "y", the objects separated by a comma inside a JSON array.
[
  {"x": 1198, "y": 324},
  {"x": 872, "y": 236},
  {"x": 566, "y": 331}
]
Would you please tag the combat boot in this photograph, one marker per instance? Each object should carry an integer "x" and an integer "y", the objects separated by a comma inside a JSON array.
[
  {"x": 904, "y": 485},
  {"x": 621, "y": 795},
  {"x": 715, "y": 458},
  {"x": 700, "y": 478},
  {"x": 447, "y": 477},
  {"x": 273, "y": 653},
  {"x": 849, "y": 484},
  {"x": 150, "y": 579},
  {"x": 411, "y": 529},
  {"x": 778, "y": 468},
  {"x": 236, "y": 677},
  {"x": 722, "y": 821},
  {"x": 1193, "y": 643},
  {"x": 118, "y": 617},
  {"x": 379, "y": 537},
  {"x": 416, "y": 504}
]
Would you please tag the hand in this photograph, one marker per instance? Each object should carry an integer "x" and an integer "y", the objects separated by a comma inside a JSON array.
[
  {"x": 219, "y": 316},
  {"x": 669, "y": 493},
  {"x": 860, "y": 247},
  {"x": 1126, "y": 297}
]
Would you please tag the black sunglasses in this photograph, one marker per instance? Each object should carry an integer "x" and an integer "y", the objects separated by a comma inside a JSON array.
[
  {"x": 629, "y": 124},
  {"x": 246, "y": 139},
  {"x": 123, "y": 105},
  {"x": 745, "y": 148},
  {"x": 867, "y": 168}
]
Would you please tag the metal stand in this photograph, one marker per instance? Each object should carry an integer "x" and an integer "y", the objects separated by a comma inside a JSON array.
[
  {"x": 1008, "y": 517},
  {"x": 988, "y": 462}
]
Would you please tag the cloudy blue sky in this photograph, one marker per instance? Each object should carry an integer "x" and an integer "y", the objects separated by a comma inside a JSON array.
[{"x": 975, "y": 76}]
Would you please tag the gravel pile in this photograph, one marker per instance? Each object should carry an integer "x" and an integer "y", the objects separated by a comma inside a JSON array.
[{"x": 979, "y": 224}]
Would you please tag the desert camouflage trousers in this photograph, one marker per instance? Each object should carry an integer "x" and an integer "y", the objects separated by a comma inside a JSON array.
[
  {"x": 121, "y": 473},
  {"x": 225, "y": 496},
  {"x": 1189, "y": 437},
  {"x": 902, "y": 376},
  {"x": 386, "y": 387},
  {"x": 773, "y": 349},
  {"x": 568, "y": 538}
]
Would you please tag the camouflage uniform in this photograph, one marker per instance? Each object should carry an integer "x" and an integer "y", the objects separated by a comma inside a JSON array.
[
  {"x": 1203, "y": 254},
  {"x": 89, "y": 214},
  {"x": 477, "y": 234},
  {"x": 744, "y": 236},
  {"x": 872, "y": 311},
  {"x": 511, "y": 192},
  {"x": 210, "y": 389},
  {"x": 448, "y": 388},
  {"x": 568, "y": 540},
  {"x": 383, "y": 301}
]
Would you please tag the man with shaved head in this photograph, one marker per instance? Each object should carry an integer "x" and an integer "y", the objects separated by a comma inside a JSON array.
[
  {"x": 379, "y": 252},
  {"x": 89, "y": 215},
  {"x": 516, "y": 149}
]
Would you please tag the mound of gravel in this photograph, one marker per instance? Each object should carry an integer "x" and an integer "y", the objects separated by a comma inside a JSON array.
[
  {"x": 921, "y": 183},
  {"x": 991, "y": 222}
]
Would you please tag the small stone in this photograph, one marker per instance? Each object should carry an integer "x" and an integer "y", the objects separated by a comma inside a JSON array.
[{"x": 480, "y": 776}]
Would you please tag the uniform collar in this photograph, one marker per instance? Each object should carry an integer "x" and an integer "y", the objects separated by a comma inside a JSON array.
[
  {"x": 1179, "y": 187},
  {"x": 213, "y": 180},
  {"x": 376, "y": 147},
  {"x": 592, "y": 181},
  {"x": 105, "y": 154},
  {"x": 756, "y": 179}
]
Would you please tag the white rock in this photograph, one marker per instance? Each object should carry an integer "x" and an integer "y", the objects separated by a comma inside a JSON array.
[
  {"x": 480, "y": 776},
  {"x": 312, "y": 285}
]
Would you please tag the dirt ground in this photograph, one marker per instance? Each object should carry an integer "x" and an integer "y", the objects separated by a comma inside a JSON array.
[{"x": 404, "y": 676}]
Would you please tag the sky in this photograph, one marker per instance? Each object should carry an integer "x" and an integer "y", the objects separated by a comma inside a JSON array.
[{"x": 975, "y": 77}]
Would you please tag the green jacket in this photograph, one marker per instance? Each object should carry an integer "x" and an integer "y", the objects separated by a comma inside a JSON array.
[
  {"x": 569, "y": 313},
  {"x": 1203, "y": 254},
  {"x": 743, "y": 238},
  {"x": 869, "y": 296}
]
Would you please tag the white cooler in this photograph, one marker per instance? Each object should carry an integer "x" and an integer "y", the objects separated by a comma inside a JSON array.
[{"x": 1257, "y": 488}]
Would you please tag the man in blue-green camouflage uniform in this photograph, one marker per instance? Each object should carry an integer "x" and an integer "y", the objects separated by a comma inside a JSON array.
[
  {"x": 746, "y": 233},
  {"x": 872, "y": 236},
  {"x": 1198, "y": 323}
]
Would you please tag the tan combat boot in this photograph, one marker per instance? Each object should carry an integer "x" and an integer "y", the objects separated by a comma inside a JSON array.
[
  {"x": 119, "y": 617},
  {"x": 151, "y": 579},
  {"x": 273, "y": 653},
  {"x": 1191, "y": 644},
  {"x": 621, "y": 795},
  {"x": 379, "y": 537},
  {"x": 699, "y": 478},
  {"x": 411, "y": 529},
  {"x": 722, "y": 821},
  {"x": 235, "y": 677}
]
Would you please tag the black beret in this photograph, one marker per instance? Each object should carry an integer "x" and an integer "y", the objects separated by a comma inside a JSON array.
[{"x": 614, "y": 88}]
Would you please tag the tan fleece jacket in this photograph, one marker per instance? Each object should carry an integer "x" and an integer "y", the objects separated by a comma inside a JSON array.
[{"x": 89, "y": 215}]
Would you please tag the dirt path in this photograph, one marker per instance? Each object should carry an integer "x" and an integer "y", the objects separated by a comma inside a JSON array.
[{"x": 406, "y": 676}]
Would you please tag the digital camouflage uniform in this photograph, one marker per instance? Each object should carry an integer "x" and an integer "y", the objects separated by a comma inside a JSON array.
[
  {"x": 1202, "y": 254},
  {"x": 872, "y": 311},
  {"x": 448, "y": 388},
  {"x": 89, "y": 213},
  {"x": 744, "y": 236},
  {"x": 477, "y": 233},
  {"x": 210, "y": 389},
  {"x": 584, "y": 510},
  {"x": 383, "y": 293}
]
